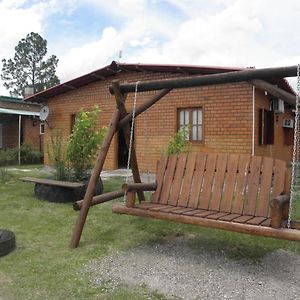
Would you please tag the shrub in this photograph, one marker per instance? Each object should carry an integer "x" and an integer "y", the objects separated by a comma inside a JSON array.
[
  {"x": 8, "y": 157},
  {"x": 84, "y": 142},
  {"x": 178, "y": 144},
  {"x": 30, "y": 155},
  {"x": 57, "y": 156}
]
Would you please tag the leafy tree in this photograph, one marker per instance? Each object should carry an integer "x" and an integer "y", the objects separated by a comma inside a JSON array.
[{"x": 29, "y": 67}]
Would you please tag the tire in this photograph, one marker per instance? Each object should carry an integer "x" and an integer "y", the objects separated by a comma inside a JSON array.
[{"x": 7, "y": 242}]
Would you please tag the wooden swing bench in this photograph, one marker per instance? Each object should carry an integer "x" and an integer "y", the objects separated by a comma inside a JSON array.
[{"x": 242, "y": 193}]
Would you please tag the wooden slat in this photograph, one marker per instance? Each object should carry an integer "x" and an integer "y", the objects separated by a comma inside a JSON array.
[
  {"x": 176, "y": 186},
  {"x": 182, "y": 210},
  {"x": 230, "y": 181},
  {"x": 159, "y": 178},
  {"x": 263, "y": 205},
  {"x": 230, "y": 217},
  {"x": 147, "y": 205},
  {"x": 197, "y": 180},
  {"x": 266, "y": 223},
  {"x": 241, "y": 181},
  {"x": 218, "y": 185},
  {"x": 217, "y": 216},
  {"x": 193, "y": 212},
  {"x": 207, "y": 181},
  {"x": 256, "y": 220},
  {"x": 205, "y": 213},
  {"x": 253, "y": 182},
  {"x": 187, "y": 181},
  {"x": 158, "y": 208},
  {"x": 170, "y": 208},
  {"x": 279, "y": 178},
  {"x": 168, "y": 179},
  {"x": 242, "y": 219}
]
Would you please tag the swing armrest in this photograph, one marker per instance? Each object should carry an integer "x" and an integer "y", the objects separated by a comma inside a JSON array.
[
  {"x": 131, "y": 188},
  {"x": 128, "y": 187},
  {"x": 279, "y": 210}
]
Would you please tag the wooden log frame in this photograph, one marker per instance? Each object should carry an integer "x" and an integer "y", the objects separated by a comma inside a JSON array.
[
  {"x": 120, "y": 100},
  {"x": 92, "y": 183},
  {"x": 194, "y": 81},
  {"x": 100, "y": 199}
]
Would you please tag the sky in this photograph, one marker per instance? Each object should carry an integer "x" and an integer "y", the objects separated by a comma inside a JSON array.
[{"x": 88, "y": 34}]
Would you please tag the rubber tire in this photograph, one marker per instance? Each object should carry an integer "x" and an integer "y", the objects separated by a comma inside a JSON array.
[{"x": 7, "y": 242}]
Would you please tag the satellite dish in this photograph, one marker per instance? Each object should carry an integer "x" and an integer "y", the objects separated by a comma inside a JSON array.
[{"x": 44, "y": 113}]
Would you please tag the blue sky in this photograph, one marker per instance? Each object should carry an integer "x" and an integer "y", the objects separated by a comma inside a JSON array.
[{"x": 88, "y": 34}]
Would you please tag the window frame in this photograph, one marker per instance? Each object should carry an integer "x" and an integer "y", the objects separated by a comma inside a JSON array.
[
  {"x": 42, "y": 125},
  {"x": 190, "y": 109}
]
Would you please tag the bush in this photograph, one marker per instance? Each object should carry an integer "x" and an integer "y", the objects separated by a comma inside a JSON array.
[
  {"x": 57, "y": 156},
  {"x": 84, "y": 142},
  {"x": 8, "y": 157},
  {"x": 28, "y": 154},
  {"x": 178, "y": 144}
]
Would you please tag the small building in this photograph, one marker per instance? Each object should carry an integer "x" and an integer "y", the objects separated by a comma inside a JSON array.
[
  {"x": 231, "y": 118},
  {"x": 19, "y": 123}
]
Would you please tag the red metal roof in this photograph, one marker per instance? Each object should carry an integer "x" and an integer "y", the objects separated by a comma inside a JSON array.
[{"x": 116, "y": 67}]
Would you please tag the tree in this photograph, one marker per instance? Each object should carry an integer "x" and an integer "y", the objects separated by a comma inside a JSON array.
[{"x": 29, "y": 67}]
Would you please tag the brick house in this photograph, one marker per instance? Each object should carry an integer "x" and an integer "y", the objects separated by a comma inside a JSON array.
[
  {"x": 19, "y": 120},
  {"x": 233, "y": 118}
]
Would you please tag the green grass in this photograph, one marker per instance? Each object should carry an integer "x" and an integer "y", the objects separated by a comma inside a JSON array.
[{"x": 44, "y": 267}]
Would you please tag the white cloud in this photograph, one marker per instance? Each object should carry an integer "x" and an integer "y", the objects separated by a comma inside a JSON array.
[{"x": 217, "y": 32}]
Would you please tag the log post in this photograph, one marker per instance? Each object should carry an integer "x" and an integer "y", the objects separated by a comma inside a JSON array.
[
  {"x": 201, "y": 80},
  {"x": 130, "y": 198},
  {"x": 92, "y": 182},
  {"x": 126, "y": 131}
]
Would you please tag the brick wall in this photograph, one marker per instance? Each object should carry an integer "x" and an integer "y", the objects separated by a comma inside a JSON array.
[
  {"x": 31, "y": 133},
  {"x": 227, "y": 116}
]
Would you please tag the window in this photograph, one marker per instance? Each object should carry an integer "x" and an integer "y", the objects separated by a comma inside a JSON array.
[
  {"x": 42, "y": 128},
  {"x": 191, "y": 118},
  {"x": 266, "y": 127}
]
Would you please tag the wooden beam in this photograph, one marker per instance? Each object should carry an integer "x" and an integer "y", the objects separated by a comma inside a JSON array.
[
  {"x": 144, "y": 106},
  {"x": 126, "y": 131},
  {"x": 274, "y": 91},
  {"x": 281, "y": 233},
  {"x": 193, "y": 81},
  {"x": 93, "y": 180},
  {"x": 100, "y": 199},
  {"x": 70, "y": 87}
]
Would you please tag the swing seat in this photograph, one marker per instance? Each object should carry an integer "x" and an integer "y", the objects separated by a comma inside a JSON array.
[{"x": 242, "y": 193}]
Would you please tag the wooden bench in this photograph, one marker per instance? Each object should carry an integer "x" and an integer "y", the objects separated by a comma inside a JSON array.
[
  {"x": 55, "y": 190},
  {"x": 243, "y": 193},
  {"x": 65, "y": 184}
]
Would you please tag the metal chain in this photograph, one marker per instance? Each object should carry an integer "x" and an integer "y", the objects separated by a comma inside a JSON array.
[
  {"x": 146, "y": 143},
  {"x": 131, "y": 135},
  {"x": 295, "y": 163}
]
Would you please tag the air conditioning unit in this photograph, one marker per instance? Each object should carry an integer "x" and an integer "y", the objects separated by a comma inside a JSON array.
[
  {"x": 278, "y": 106},
  {"x": 288, "y": 123}
]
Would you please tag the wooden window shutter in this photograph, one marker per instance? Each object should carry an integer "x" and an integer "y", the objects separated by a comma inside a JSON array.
[{"x": 269, "y": 127}]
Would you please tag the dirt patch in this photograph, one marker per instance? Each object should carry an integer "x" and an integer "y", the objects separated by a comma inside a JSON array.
[{"x": 178, "y": 271}]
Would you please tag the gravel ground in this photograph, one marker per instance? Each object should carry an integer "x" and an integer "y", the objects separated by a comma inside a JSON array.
[{"x": 176, "y": 270}]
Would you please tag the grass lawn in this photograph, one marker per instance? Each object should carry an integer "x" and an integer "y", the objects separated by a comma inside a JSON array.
[{"x": 43, "y": 267}]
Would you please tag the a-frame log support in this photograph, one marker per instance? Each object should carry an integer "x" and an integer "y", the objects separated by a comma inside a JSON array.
[
  {"x": 120, "y": 100},
  {"x": 93, "y": 180}
]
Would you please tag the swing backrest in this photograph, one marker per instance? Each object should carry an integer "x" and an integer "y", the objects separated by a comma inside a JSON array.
[{"x": 241, "y": 184}]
